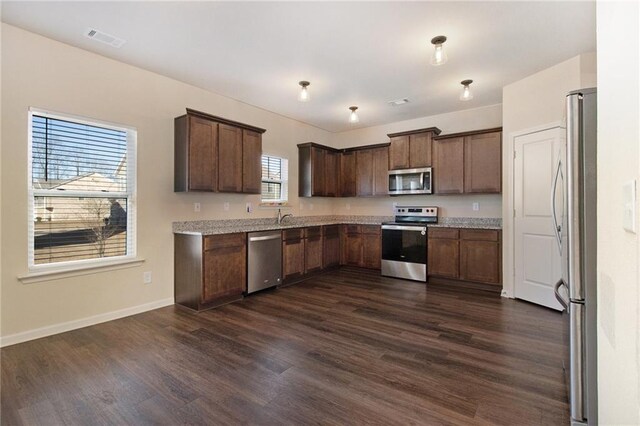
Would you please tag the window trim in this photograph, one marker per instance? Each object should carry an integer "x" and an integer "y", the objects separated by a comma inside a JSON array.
[
  {"x": 284, "y": 184},
  {"x": 72, "y": 267}
]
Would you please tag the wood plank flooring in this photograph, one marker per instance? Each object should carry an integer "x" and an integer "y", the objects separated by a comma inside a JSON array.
[{"x": 347, "y": 347}]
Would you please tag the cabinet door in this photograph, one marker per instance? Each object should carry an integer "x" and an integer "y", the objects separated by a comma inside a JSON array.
[
  {"x": 372, "y": 251},
  {"x": 224, "y": 273},
  {"x": 317, "y": 171},
  {"x": 364, "y": 172},
  {"x": 331, "y": 246},
  {"x": 380, "y": 171},
  {"x": 331, "y": 173},
  {"x": 480, "y": 261},
  {"x": 399, "y": 153},
  {"x": 483, "y": 163},
  {"x": 251, "y": 162},
  {"x": 292, "y": 258},
  {"x": 420, "y": 150},
  {"x": 448, "y": 170},
  {"x": 348, "y": 174},
  {"x": 443, "y": 257},
  {"x": 229, "y": 158},
  {"x": 353, "y": 249},
  {"x": 203, "y": 154},
  {"x": 313, "y": 254}
]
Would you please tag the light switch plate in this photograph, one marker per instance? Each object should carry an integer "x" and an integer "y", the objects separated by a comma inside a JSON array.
[
  {"x": 629, "y": 206},
  {"x": 249, "y": 208},
  {"x": 196, "y": 207},
  {"x": 476, "y": 207},
  {"x": 225, "y": 206}
]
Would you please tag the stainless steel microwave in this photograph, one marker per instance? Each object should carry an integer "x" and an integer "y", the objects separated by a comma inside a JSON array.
[{"x": 410, "y": 181}]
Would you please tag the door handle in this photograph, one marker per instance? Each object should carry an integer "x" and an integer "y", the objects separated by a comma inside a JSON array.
[
  {"x": 559, "y": 284},
  {"x": 557, "y": 230}
]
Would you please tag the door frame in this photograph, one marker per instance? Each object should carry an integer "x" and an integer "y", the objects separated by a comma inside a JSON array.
[{"x": 508, "y": 205}]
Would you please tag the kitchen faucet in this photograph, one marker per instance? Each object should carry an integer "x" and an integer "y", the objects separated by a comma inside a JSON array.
[{"x": 282, "y": 217}]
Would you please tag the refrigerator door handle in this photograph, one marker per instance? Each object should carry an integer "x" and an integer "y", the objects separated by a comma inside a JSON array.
[
  {"x": 557, "y": 229},
  {"x": 556, "y": 291},
  {"x": 576, "y": 362}
]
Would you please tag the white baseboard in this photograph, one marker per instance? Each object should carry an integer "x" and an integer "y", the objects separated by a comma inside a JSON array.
[{"x": 49, "y": 330}]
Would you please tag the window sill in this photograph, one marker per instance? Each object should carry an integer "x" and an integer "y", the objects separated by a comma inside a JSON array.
[{"x": 75, "y": 271}]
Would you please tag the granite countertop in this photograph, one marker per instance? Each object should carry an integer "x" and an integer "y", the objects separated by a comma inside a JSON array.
[{"x": 231, "y": 226}]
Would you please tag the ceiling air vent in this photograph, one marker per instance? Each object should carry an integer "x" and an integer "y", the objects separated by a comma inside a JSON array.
[
  {"x": 398, "y": 102},
  {"x": 105, "y": 38}
]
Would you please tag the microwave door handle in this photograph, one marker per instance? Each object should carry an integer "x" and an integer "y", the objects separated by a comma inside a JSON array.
[
  {"x": 422, "y": 180},
  {"x": 556, "y": 226}
]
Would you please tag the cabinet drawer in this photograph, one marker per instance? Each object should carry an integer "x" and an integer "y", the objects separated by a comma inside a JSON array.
[
  {"x": 313, "y": 232},
  {"x": 292, "y": 234},
  {"x": 331, "y": 230},
  {"x": 480, "y": 234},
  {"x": 370, "y": 229},
  {"x": 212, "y": 242},
  {"x": 352, "y": 229},
  {"x": 445, "y": 233}
]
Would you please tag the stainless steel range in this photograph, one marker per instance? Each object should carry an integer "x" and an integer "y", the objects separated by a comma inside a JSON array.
[{"x": 404, "y": 242}]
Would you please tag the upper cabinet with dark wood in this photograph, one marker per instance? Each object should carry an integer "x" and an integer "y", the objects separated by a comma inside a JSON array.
[
  {"x": 411, "y": 149},
  {"x": 364, "y": 173},
  {"x": 314, "y": 163},
  {"x": 469, "y": 162},
  {"x": 216, "y": 155},
  {"x": 332, "y": 174},
  {"x": 348, "y": 174}
]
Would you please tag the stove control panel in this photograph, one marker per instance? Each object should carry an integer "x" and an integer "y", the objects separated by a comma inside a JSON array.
[{"x": 415, "y": 211}]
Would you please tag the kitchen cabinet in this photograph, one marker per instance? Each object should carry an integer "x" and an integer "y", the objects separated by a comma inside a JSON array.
[
  {"x": 293, "y": 251},
  {"x": 364, "y": 173},
  {"x": 229, "y": 158},
  {"x": 362, "y": 246},
  {"x": 317, "y": 175},
  {"x": 332, "y": 174},
  {"x": 448, "y": 168},
  {"x": 443, "y": 252},
  {"x": 473, "y": 255},
  {"x": 251, "y": 162},
  {"x": 483, "y": 163},
  {"x": 348, "y": 174},
  {"x": 331, "y": 246},
  {"x": 480, "y": 256},
  {"x": 209, "y": 270},
  {"x": 411, "y": 149},
  {"x": 380, "y": 171},
  {"x": 313, "y": 249},
  {"x": 216, "y": 155},
  {"x": 469, "y": 162}
]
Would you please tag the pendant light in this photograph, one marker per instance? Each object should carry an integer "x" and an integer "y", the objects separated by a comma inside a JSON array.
[
  {"x": 304, "y": 92},
  {"x": 439, "y": 56},
  {"x": 353, "y": 117},
  {"x": 466, "y": 94}
]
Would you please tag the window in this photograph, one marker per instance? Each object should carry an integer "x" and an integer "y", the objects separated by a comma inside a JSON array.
[
  {"x": 275, "y": 175},
  {"x": 82, "y": 191}
]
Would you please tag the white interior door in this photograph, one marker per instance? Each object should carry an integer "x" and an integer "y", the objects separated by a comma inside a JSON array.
[{"x": 537, "y": 255}]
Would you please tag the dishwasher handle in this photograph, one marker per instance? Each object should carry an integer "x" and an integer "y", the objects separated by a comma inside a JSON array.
[{"x": 265, "y": 238}]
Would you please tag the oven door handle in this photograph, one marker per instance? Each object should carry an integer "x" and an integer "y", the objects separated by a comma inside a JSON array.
[{"x": 405, "y": 228}]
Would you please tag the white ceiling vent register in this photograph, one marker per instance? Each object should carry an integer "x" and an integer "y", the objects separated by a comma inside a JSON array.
[
  {"x": 105, "y": 38},
  {"x": 398, "y": 102}
]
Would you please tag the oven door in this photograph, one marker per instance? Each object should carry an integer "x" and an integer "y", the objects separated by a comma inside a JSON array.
[
  {"x": 404, "y": 252},
  {"x": 410, "y": 181}
]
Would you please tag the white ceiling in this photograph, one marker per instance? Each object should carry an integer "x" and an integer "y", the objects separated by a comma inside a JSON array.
[{"x": 353, "y": 53}]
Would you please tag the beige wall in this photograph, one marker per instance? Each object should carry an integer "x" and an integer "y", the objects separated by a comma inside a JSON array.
[
  {"x": 39, "y": 72},
  {"x": 618, "y": 250},
  {"x": 537, "y": 100},
  {"x": 451, "y": 205}
]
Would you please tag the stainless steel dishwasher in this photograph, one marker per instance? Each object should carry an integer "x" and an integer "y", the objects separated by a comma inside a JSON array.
[{"x": 264, "y": 260}]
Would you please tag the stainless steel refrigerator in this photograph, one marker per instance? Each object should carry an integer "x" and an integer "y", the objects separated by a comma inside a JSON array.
[{"x": 574, "y": 212}]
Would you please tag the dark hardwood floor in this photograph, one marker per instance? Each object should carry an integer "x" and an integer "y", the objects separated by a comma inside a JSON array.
[{"x": 347, "y": 347}]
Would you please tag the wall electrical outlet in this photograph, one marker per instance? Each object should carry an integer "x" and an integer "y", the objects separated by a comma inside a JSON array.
[
  {"x": 225, "y": 206},
  {"x": 196, "y": 207},
  {"x": 146, "y": 277},
  {"x": 249, "y": 208},
  {"x": 476, "y": 207}
]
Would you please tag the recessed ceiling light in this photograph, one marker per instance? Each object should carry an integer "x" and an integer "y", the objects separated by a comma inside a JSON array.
[
  {"x": 105, "y": 38},
  {"x": 399, "y": 102}
]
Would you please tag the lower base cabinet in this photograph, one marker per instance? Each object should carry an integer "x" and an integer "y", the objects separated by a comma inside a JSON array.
[
  {"x": 473, "y": 255},
  {"x": 292, "y": 254},
  {"x": 209, "y": 270},
  {"x": 330, "y": 246},
  {"x": 362, "y": 246},
  {"x": 313, "y": 249}
]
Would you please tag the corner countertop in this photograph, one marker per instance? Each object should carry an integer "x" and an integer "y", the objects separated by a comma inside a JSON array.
[{"x": 232, "y": 226}]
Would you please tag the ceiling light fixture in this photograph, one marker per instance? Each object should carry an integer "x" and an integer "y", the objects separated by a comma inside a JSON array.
[
  {"x": 399, "y": 102},
  {"x": 466, "y": 94},
  {"x": 304, "y": 92},
  {"x": 439, "y": 56},
  {"x": 353, "y": 117}
]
